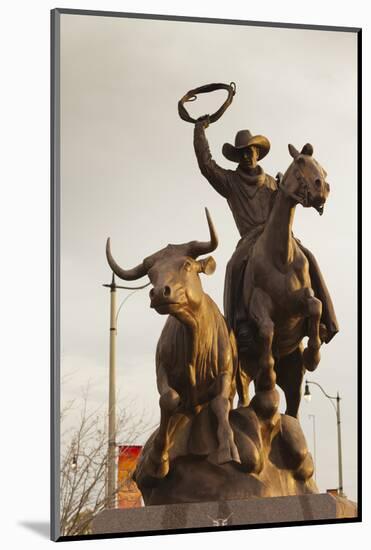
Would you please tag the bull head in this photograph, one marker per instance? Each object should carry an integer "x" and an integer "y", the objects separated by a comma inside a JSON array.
[{"x": 174, "y": 274}]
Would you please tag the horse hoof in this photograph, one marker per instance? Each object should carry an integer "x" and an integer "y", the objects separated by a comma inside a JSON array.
[{"x": 323, "y": 332}]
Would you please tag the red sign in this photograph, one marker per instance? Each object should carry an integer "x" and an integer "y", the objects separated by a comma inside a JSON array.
[{"x": 129, "y": 495}]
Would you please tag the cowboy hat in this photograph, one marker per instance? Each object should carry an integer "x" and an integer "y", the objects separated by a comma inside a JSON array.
[{"x": 245, "y": 139}]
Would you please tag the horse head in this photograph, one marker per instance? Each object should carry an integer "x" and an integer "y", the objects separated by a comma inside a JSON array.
[{"x": 305, "y": 179}]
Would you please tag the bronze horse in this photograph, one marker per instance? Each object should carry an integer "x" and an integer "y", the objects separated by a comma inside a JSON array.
[{"x": 277, "y": 291}]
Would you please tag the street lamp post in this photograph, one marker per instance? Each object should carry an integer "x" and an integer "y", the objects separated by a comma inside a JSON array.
[
  {"x": 313, "y": 418},
  {"x": 307, "y": 396},
  {"x": 111, "y": 482},
  {"x": 111, "y": 459}
]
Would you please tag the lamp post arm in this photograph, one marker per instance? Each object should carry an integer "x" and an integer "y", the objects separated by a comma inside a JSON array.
[
  {"x": 330, "y": 397},
  {"x": 127, "y": 287},
  {"x": 133, "y": 287},
  {"x": 113, "y": 286},
  {"x": 323, "y": 391},
  {"x": 124, "y": 300}
]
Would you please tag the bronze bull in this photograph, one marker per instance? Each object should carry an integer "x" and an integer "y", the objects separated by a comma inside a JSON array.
[{"x": 196, "y": 357}]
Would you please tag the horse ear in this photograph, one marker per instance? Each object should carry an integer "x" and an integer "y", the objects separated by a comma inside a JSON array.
[
  {"x": 307, "y": 149},
  {"x": 293, "y": 151},
  {"x": 207, "y": 265}
]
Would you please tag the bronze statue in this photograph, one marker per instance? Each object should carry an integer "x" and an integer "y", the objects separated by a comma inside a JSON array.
[
  {"x": 251, "y": 195},
  {"x": 203, "y": 449},
  {"x": 278, "y": 292},
  {"x": 196, "y": 358}
]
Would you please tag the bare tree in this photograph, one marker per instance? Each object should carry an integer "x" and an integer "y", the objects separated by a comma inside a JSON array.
[{"x": 83, "y": 488}]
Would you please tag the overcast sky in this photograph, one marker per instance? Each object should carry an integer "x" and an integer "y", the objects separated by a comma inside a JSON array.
[{"x": 128, "y": 171}]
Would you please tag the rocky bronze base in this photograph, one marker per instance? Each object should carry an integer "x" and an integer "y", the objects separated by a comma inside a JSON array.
[
  {"x": 206, "y": 515},
  {"x": 274, "y": 459}
]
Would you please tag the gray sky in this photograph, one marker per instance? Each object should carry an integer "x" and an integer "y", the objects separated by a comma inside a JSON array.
[{"x": 128, "y": 171}]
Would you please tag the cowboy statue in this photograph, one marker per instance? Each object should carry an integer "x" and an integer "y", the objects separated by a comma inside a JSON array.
[{"x": 250, "y": 194}]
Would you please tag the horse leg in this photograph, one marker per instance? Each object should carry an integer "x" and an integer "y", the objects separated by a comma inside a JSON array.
[
  {"x": 311, "y": 354},
  {"x": 243, "y": 380},
  {"x": 227, "y": 450},
  {"x": 305, "y": 303},
  {"x": 290, "y": 372},
  {"x": 260, "y": 311}
]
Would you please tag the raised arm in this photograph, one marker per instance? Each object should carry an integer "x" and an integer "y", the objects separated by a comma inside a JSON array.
[{"x": 216, "y": 176}]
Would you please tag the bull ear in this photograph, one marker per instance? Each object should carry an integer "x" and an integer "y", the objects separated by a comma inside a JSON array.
[
  {"x": 293, "y": 151},
  {"x": 307, "y": 149},
  {"x": 207, "y": 265}
]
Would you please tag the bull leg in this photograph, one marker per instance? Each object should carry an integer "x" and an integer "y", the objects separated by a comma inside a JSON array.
[
  {"x": 311, "y": 354},
  {"x": 290, "y": 371},
  {"x": 227, "y": 450},
  {"x": 159, "y": 456},
  {"x": 260, "y": 310}
]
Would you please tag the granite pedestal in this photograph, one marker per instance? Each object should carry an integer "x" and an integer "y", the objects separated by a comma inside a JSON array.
[{"x": 254, "y": 511}]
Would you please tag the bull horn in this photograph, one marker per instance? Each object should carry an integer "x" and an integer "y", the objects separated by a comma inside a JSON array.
[
  {"x": 126, "y": 274},
  {"x": 197, "y": 248}
]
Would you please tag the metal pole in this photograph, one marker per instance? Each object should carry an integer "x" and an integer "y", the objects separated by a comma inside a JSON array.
[
  {"x": 340, "y": 458},
  {"x": 111, "y": 479},
  {"x": 338, "y": 422},
  {"x": 111, "y": 474},
  {"x": 313, "y": 417}
]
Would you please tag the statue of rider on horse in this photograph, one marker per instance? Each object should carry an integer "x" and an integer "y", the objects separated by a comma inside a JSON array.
[{"x": 253, "y": 298}]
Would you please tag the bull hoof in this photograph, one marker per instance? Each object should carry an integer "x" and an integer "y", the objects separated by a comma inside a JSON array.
[
  {"x": 311, "y": 358},
  {"x": 158, "y": 467}
]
